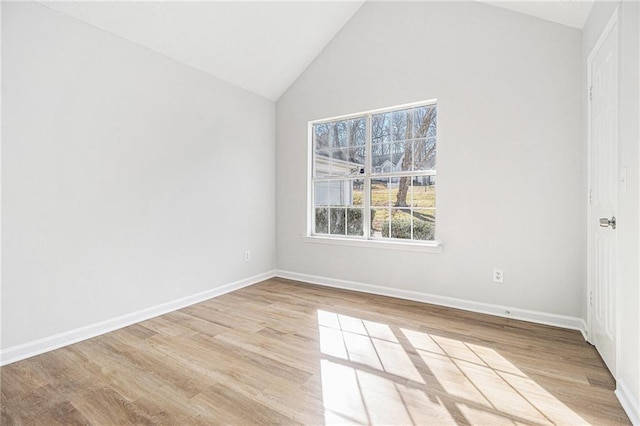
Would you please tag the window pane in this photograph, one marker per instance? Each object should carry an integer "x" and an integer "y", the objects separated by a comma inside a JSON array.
[
  {"x": 381, "y": 158},
  {"x": 321, "y": 193},
  {"x": 346, "y": 192},
  {"x": 339, "y": 148},
  {"x": 402, "y": 125},
  {"x": 400, "y": 224},
  {"x": 347, "y": 162},
  {"x": 425, "y": 121},
  {"x": 401, "y": 156},
  {"x": 337, "y": 220},
  {"x": 400, "y": 194},
  {"x": 379, "y": 222},
  {"x": 380, "y": 192},
  {"x": 340, "y": 134},
  {"x": 321, "y": 137},
  {"x": 424, "y": 154},
  {"x": 322, "y": 220},
  {"x": 358, "y": 132},
  {"x": 424, "y": 224},
  {"x": 329, "y": 193},
  {"x": 357, "y": 187},
  {"x": 357, "y": 158},
  {"x": 381, "y": 128},
  {"x": 321, "y": 164},
  {"x": 340, "y": 155},
  {"x": 423, "y": 191},
  {"x": 355, "y": 218}
]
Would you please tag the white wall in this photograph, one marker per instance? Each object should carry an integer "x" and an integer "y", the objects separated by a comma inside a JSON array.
[
  {"x": 511, "y": 154},
  {"x": 628, "y": 368},
  {"x": 128, "y": 179}
]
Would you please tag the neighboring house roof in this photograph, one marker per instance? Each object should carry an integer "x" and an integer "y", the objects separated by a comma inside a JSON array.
[{"x": 322, "y": 163}]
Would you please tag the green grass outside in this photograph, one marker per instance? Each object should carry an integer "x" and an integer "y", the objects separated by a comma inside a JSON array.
[{"x": 382, "y": 197}]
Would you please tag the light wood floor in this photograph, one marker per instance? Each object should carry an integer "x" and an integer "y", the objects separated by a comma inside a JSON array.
[{"x": 283, "y": 352}]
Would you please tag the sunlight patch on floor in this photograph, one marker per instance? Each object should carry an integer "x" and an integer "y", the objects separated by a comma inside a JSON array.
[
  {"x": 374, "y": 373},
  {"x": 351, "y": 395}
]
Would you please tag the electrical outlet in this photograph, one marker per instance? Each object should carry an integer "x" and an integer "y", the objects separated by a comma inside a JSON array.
[
  {"x": 247, "y": 256},
  {"x": 498, "y": 275}
]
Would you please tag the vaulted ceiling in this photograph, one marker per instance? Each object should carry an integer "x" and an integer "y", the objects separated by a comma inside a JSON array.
[
  {"x": 260, "y": 46},
  {"x": 572, "y": 13}
]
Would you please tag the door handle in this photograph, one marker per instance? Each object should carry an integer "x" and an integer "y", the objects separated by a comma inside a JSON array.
[{"x": 604, "y": 222}]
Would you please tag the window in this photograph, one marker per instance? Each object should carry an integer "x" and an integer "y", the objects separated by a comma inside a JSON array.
[{"x": 373, "y": 175}]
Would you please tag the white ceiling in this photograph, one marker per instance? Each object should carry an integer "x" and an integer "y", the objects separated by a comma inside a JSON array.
[
  {"x": 573, "y": 13},
  {"x": 260, "y": 46}
]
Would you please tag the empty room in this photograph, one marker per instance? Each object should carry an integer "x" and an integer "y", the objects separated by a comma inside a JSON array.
[{"x": 320, "y": 212}]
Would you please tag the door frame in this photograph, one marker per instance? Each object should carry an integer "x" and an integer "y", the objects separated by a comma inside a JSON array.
[{"x": 612, "y": 25}]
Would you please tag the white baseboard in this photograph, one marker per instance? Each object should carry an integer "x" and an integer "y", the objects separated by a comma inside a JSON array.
[
  {"x": 630, "y": 404},
  {"x": 37, "y": 347},
  {"x": 562, "y": 321}
]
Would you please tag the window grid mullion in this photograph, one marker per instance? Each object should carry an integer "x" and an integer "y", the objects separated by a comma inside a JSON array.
[
  {"x": 411, "y": 205},
  {"x": 368, "y": 176},
  {"x": 366, "y": 201}
]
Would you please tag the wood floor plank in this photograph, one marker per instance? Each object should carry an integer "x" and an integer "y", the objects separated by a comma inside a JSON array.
[{"x": 283, "y": 352}]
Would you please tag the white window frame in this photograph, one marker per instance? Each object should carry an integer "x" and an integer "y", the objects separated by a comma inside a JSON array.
[{"x": 366, "y": 240}]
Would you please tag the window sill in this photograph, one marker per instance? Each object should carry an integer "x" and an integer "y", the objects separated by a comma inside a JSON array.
[{"x": 426, "y": 247}]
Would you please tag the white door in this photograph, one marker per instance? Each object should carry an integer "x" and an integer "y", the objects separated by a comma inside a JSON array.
[{"x": 603, "y": 171}]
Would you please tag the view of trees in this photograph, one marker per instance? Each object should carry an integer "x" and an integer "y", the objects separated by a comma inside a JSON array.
[
  {"x": 403, "y": 142},
  {"x": 341, "y": 142}
]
